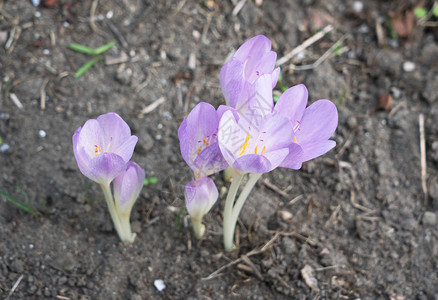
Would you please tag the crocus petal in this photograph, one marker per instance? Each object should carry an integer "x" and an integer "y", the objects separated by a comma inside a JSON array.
[
  {"x": 200, "y": 196},
  {"x": 275, "y": 75},
  {"x": 232, "y": 81},
  {"x": 261, "y": 95},
  {"x": 184, "y": 142},
  {"x": 230, "y": 135},
  {"x": 91, "y": 137},
  {"x": 292, "y": 103},
  {"x": 209, "y": 161},
  {"x": 318, "y": 123},
  {"x": 126, "y": 149},
  {"x": 259, "y": 65},
  {"x": 279, "y": 132},
  {"x": 82, "y": 158},
  {"x": 127, "y": 186},
  {"x": 252, "y": 163},
  {"x": 115, "y": 131},
  {"x": 294, "y": 158},
  {"x": 105, "y": 167},
  {"x": 313, "y": 150},
  {"x": 254, "y": 47},
  {"x": 224, "y": 108}
]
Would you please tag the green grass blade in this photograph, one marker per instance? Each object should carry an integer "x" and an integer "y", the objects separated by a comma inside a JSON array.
[
  {"x": 104, "y": 48},
  {"x": 87, "y": 66},
  {"x": 82, "y": 49},
  {"x": 23, "y": 206}
]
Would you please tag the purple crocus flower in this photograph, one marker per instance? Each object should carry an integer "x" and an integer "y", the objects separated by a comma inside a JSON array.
[
  {"x": 255, "y": 143},
  {"x": 103, "y": 146},
  {"x": 252, "y": 60},
  {"x": 198, "y": 140},
  {"x": 127, "y": 187},
  {"x": 313, "y": 126},
  {"x": 200, "y": 195}
]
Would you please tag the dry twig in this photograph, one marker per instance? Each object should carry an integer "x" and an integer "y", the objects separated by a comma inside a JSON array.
[
  {"x": 240, "y": 259},
  {"x": 313, "y": 39},
  {"x": 152, "y": 106},
  {"x": 423, "y": 156}
]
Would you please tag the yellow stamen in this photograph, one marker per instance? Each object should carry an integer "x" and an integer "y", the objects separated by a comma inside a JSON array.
[
  {"x": 295, "y": 139},
  {"x": 263, "y": 150},
  {"x": 255, "y": 150},
  {"x": 246, "y": 144},
  {"x": 199, "y": 151},
  {"x": 97, "y": 150}
]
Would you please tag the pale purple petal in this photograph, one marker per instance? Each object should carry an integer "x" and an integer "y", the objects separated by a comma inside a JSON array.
[
  {"x": 275, "y": 75},
  {"x": 209, "y": 161},
  {"x": 126, "y": 149},
  {"x": 259, "y": 65},
  {"x": 82, "y": 158},
  {"x": 184, "y": 142},
  {"x": 254, "y": 47},
  {"x": 224, "y": 108},
  {"x": 232, "y": 81},
  {"x": 128, "y": 185},
  {"x": 292, "y": 103},
  {"x": 313, "y": 150},
  {"x": 200, "y": 196},
  {"x": 115, "y": 131},
  {"x": 91, "y": 138},
  {"x": 318, "y": 123},
  {"x": 279, "y": 132},
  {"x": 276, "y": 157},
  {"x": 261, "y": 95},
  {"x": 294, "y": 158},
  {"x": 105, "y": 167},
  {"x": 252, "y": 163},
  {"x": 230, "y": 136}
]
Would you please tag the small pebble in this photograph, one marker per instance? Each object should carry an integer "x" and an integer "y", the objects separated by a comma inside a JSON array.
[
  {"x": 309, "y": 278},
  {"x": 66, "y": 24},
  {"x": 408, "y": 66},
  {"x": 46, "y": 51},
  {"x": 394, "y": 43},
  {"x": 358, "y": 6},
  {"x": 364, "y": 29},
  {"x": 159, "y": 285},
  {"x": 37, "y": 14},
  {"x": 4, "y": 147},
  {"x": 109, "y": 14},
  {"x": 429, "y": 218},
  {"x": 42, "y": 134},
  {"x": 36, "y": 2},
  {"x": 396, "y": 92},
  {"x": 196, "y": 35}
]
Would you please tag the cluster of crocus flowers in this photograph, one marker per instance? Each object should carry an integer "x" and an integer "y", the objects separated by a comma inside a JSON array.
[
  {"x": 103, "y": 148},
  {"x": 250, "y": 135}
]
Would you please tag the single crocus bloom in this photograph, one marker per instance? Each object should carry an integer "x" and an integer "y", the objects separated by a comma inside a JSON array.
[
  {"x": 127, "y": 187},
  {"x": 198, "y": 140},
  {"x": 255, "y": 144},
  {"x": 252, "y": 60},
  {"x": 200, "y": 196},
  {"x": 313, "y": 126},
  {"x": 103, "y": 146}
]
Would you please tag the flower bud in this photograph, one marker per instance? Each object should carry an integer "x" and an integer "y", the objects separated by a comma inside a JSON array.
[{"x": 127, "y": 187}]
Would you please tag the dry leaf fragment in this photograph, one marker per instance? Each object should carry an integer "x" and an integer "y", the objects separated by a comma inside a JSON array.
[{"x": 384, "y": 103}]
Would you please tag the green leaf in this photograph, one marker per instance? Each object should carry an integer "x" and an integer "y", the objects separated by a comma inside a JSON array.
[
  {"x": 104, "y": 48},
  {"x": 1, "y": 140},
  {"x": 153, "y": 180},
  {"x": 276, "y": 97},
  {"x": 82, "y": 49},
  {"x": 420, "y": 12},
  {"x": 87, "y": 66},
  {"x": 435, "y": 10},
  {"x": 23, "y": 206}
]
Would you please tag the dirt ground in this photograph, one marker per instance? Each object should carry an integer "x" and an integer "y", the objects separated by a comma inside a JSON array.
[{"x": 353, "y": 224}]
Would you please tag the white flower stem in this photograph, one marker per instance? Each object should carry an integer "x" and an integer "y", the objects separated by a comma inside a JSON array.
[
  {"x": 121, "y": 222},
  {"x": 228, "y": 226},
  {"x": 198, "y": 228},
  {"x": 244, "y": 195}
]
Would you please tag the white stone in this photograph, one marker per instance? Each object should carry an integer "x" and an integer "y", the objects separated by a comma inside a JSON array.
[
  {"x": 408, "y": 66},
  {"x": 159, "y": 285}
]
